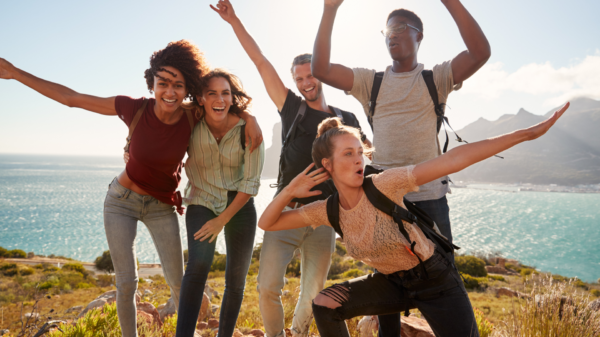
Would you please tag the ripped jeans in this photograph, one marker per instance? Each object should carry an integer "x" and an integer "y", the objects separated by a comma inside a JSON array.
[{"x": 445, "y": 305}]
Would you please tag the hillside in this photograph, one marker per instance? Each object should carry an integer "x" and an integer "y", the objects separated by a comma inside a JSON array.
[{"x": 569, "y": 154}]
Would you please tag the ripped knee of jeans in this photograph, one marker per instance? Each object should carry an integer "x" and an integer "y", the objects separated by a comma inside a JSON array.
[{"x": 333, "y": 297}]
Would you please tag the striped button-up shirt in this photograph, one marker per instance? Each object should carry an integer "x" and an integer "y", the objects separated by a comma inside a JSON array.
[{"x": 215, "y": 168}]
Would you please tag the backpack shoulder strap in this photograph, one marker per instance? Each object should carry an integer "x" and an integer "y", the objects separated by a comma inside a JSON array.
[
  {"x": 337, "y": 112},
  {"x": 374, "y": 93},
  {"x": 333, "y": 213},
  {"x": 387, "y": 206},
  {"x": 134, "y": 123},
  {"x": 243, "y": 136},
  {"x": 299, "y": 116}
]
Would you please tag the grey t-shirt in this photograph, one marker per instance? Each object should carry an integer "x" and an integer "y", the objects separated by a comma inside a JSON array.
[{"x": 405, "y": 124}]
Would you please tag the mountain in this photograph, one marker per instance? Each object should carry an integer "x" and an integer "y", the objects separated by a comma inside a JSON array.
[{"x": 569, "y": 154}]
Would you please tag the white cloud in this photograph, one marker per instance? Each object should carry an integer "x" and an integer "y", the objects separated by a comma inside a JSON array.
[{"x": 576, "y": 80}]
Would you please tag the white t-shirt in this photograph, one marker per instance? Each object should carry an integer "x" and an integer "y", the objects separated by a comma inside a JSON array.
[{"x": 405, "y": 123}]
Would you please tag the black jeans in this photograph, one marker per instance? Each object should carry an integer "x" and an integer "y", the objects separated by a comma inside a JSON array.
[
  {"x": 445, "y": 305},
  {"x": 438, "y": 210},
  {"x": 239, "y": 238}
]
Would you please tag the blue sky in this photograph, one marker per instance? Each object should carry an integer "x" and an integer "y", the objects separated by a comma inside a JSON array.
[{"x": 543, "y": 53}]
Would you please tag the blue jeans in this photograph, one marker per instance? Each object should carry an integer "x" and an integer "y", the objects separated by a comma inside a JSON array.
[
  {"x": 444, "y": 304},
  {"x": 316, "y": 247},
  {"x": 123, "y": 208},
  {"x": 438, "y": 210},
  {"x": 239, "y": 239}
]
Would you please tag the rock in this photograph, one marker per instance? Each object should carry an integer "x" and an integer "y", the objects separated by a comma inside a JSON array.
[
  {"x": 367, "y": 326},
  {"x": 202, "y": 326},
  {"x": 213, "y": 323},
  {"x": 237, "y": 333},
  {"x": 286, "y": 292},
  {"x": 144, "y": 317},
  {"x": 257, "y": 333},
  {"x": 214, "y": 308},
  {"x": 4, "y": 332},
  {"x": 501, "y": 262},
  {"x": 541, "y": 300},
  {"x": 412, "y": 326},
  {"x": 74, "y": 309},
  {"x": 197, "y": 333},
  {"x": 147, "y": 292},
  {"x": 111, "y": 296},
  {"x": 31, "y": 316},
  {"x": 499, "y": 270},
  {"x": 594, "y": 305},
  {"x": 167, "y": 309},
  {"x": 97, "y": 303},
  {"x": 510, "y": 293},
  {"x": 204, "y": 309},
  {"x": 208, "y": 291},
  {"x": 150, "y": 309}
]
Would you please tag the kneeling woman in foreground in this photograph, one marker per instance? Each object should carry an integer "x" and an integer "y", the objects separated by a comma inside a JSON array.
[{"x": 374, "y": 238}]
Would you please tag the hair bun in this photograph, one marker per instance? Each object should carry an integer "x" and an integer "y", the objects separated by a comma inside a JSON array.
[{"x": 328, "y": 124}]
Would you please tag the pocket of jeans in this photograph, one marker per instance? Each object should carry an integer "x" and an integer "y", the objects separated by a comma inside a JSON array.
[{"x": 114, "y": 193}]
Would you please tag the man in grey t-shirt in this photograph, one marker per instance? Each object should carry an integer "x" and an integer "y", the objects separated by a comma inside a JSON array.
[{"x": 405, "y": 123}]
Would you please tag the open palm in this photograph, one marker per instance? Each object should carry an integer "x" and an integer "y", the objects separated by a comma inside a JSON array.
[
  {"x": 540, "y": 129},
  {"x": 225, "y": 10}
]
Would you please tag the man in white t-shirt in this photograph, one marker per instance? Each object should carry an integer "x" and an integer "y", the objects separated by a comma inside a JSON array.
[{"x": 404, "y": 120}]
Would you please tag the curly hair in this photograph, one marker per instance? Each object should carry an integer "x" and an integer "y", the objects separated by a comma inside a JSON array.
[
  {"x": 183, "y": 56},
  {"x": 240, "y": 99}
]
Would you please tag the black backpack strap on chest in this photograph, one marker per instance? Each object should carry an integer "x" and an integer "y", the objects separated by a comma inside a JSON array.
[
  {"x": 374, "y": 93},
  {"x": 338, "y": 113},
  {"x": 243, "y": 136},
  {"x": 333, "y": 213},
  {"x": 291, "y": 134}
]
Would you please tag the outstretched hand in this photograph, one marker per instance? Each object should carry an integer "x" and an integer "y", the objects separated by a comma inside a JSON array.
[
  {"x": 301, "y": 186},
  {"x": 540, "y": 129},
  {"x": 6, "y": 69},
  {"x": 225, "y": 10}
]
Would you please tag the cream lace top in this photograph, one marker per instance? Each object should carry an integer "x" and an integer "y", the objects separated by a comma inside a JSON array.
[{"x": 372, "y": 236}]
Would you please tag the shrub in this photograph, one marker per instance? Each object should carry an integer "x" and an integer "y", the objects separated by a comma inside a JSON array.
[
  {"x": 293, "y": 268},
  {"x": 76, "y": 267},
  {"x": 16, "y": 254},
  {"x": 338, "y": 266},
  {"x": 83, "y": 285},
  {"x": 340, "y": 249},
  {"x": 595, "y": 292},
  {"x": 104, "y": 280},
  {"x": 484, "y": 326},
  {"x": 256, "y": 251},
  {"x": 352, "y": 273},
  {"x": 3, "y": 252},
  {"x": 186, "y": 256},
  {"x": 104, "y": 262},
  {"x": 9, "y": 269},
  {"x": 470, "y": 265},
  {"x": 496, "y": 278},
  {"x": 219, "y": 262},
  {"x": 473, "y": 282},
  {"x": 580, "y": 284},
  {"x": 528, "y": 271},
  {"x": 26, "y": 271}
]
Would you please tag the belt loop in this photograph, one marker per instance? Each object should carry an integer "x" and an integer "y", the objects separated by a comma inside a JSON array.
[{"x": 127, "y": 192}]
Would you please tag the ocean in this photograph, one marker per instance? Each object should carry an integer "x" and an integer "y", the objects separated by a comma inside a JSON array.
[{"x": 53, "y": 205}]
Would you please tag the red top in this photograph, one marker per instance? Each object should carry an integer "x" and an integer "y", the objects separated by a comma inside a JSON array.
[{"x": 156, "y": 150}]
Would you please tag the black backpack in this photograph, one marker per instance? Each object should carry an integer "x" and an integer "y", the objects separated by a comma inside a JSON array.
[
  {"x": 440, "y": 108},
  {"x": 412, "y": 214},
  {"x": 291, "y": 135}
]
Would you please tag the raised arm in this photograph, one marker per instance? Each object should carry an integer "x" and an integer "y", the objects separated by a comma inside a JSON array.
[
  {"x": 274, "y": 219},
  {"x": 275, "y": 87},
  {"x": 57, "y": 92},
  {"x": 464, "y": 156},
  {"x": 335, "y": 75},
  {"x": 478, "y": 48}
]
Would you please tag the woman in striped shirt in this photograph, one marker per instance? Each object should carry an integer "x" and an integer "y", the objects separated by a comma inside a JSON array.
[{"x": 223, "y": 175}]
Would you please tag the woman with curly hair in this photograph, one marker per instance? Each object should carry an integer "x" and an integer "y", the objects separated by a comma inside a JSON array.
[
  {"x": 146, "y": 190},
  {"x": 223, "y": 177}
]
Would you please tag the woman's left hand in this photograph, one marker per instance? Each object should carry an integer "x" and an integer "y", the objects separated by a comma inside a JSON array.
[
  {"x": 211, "y": 229},
  {"x": 253, "y": 133},
  {"x": 540, "y": 129}
]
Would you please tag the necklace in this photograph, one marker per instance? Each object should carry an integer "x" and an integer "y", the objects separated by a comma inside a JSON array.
[{"x": 226, "y": 125}]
